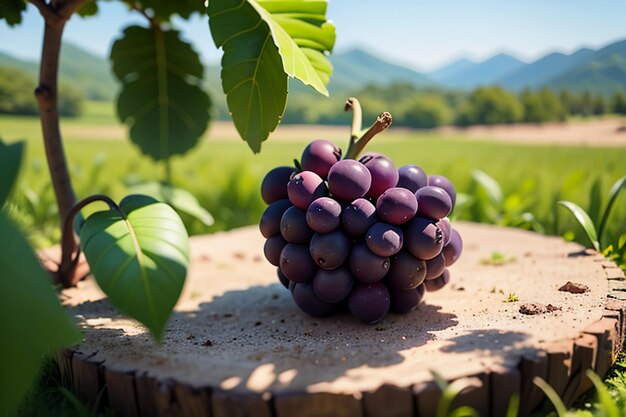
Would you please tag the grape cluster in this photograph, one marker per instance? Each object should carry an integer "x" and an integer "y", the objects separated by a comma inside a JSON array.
[{"x": 361, "y": 234}]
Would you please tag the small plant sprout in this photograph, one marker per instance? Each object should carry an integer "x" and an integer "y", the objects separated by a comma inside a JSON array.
[
  {"x": 498, "y": 258},
  {"x": 512, "y": 298}
]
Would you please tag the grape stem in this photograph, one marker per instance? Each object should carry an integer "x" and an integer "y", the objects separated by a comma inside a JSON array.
[
  {"x": 357, "y": 145},
  {"x": 357, "y": 117}
]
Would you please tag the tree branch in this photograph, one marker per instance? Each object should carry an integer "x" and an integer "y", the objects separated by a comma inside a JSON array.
[
  {"x": 68, "y": 7},
  {"x": 60, "y": 12},
  {"x": 49, "y": 14}
]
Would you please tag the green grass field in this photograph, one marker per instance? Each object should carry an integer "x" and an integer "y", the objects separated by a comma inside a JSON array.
[{"x": 225, "y": 175}]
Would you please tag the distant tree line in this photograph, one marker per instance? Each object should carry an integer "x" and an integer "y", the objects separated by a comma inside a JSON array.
[
  {"x": 430, "y": 108},
  {"x": 17, "y": 97},
  {"x": 410, "y": 106}
]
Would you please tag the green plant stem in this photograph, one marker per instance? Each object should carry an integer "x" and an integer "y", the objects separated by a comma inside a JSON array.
[
  {"x": 70, "y": 251},
  {"x": 356, "y": 146},
  {"x": 168, "y": 171}
]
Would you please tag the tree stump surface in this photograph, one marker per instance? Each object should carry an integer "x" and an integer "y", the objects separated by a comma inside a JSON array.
[{"x": 237, "y": 345}]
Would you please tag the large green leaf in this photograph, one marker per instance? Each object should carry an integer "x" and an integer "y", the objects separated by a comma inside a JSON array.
[
  {"x": 139, "y": 259},
  {"x": 181, "y": 200},
  {"x": 584, "y": 220},
  {"x": 161, "y": 100},
  {"x": 10, "y": 160},
  {"x": 264, "y": 43},
  {"x": 11, "y": 11},
  {"x": 32, "y": 322}
]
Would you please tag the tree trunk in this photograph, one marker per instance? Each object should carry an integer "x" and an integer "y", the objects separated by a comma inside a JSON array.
[{"x": 47, "y": 98}]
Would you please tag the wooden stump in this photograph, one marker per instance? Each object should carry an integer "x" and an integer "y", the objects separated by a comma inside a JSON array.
[{"x": 237, "y": 345}]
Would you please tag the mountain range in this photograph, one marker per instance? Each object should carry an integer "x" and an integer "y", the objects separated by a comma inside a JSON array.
[{"x": 601, "y": 71}]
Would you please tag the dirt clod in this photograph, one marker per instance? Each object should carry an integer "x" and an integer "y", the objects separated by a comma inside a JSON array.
[
  {"x": 532, "y": 309},
  {"x": 574, "y": 288}
]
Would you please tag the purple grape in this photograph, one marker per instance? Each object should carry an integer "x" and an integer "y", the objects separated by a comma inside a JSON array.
[
  {"x": 274, "y": 185},
  {"x": 334, "y": 285},
  {"x": 446, "y": 229},
  {"x": 403, "y": 301},
  {"x": 369, "y": 302},
  {"x": 433, "y": 202},
  {"x": 452, "y": 251},
  {"x": 329, "y": 250},
  {"x": 435, "y": 266},
  {"x": 396, "y": 206},
  {"x": 443, "y": 182},
  {"x": 384, "y": 239},
  {"x": 367, "y": 266},
  {"x": 423, "y": 238},
  {"x": 358, "y": 216},
  {"x": 412, "y": 178},
  {"x": 282, "y": 278},
  {"x": 349, "y": 179},
  {"x": 406, "y": 271},
  {"x": 270, "y": 219},
  {"x": 438, "y": 283},
  {"x": 305, "y": 298},
  {"x": 324, "y": 215},
  {"x": 296, "y": 263},
  {"x": 319, "y": 156},
  {"x": 293, "y": 226},
  {"x": 305, "y": 187},
  {"x": 273, "y": 247},
  {"x": 383, "y": 171}
]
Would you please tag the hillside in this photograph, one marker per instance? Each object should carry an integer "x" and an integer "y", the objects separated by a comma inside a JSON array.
[
  {"x": 604, "y": 72},
  {"x": 356, "y": 68},
  {"x": 483, "y": 73},
  {"x": 538, "y": 73},
  {"x": 84, "y": 71},
  {"x": 600, "y": 71},
  {"x": 451, "y": 70}
]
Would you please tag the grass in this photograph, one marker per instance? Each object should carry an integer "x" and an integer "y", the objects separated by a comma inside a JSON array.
[{"x": 225, "y": 177}]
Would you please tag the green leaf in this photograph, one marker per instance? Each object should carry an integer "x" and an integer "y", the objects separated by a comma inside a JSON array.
[
  {"x": 32, "y": 321},
  {"x": 182, "y": 201},
  {"x": 161, "y": 100},
  {"x": 11, "y": 11},
  {"x": 264, "y": 43},
  {"x": 595, "y": 200},
  {"x": 10, "y": 161},
  {"x": 490, "y": 185},
  {"x": 584, "y": 220},
  {"x": 605, "y": 399},
  {"x": 88, "y": 9},
  {"x": 163, "y": 10},
  {"x": 614, "y": 192},
  {"x": 554, "y": 398},
  {"x": 139, "y": 259}
]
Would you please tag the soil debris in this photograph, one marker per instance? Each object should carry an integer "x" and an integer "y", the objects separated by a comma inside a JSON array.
[
  {"x": 574, "y": 288},
  {"x": 532, "y": 309}
]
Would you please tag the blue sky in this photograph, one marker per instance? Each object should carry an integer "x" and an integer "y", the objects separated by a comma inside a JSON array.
[{"x": 418, "y": 33}]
